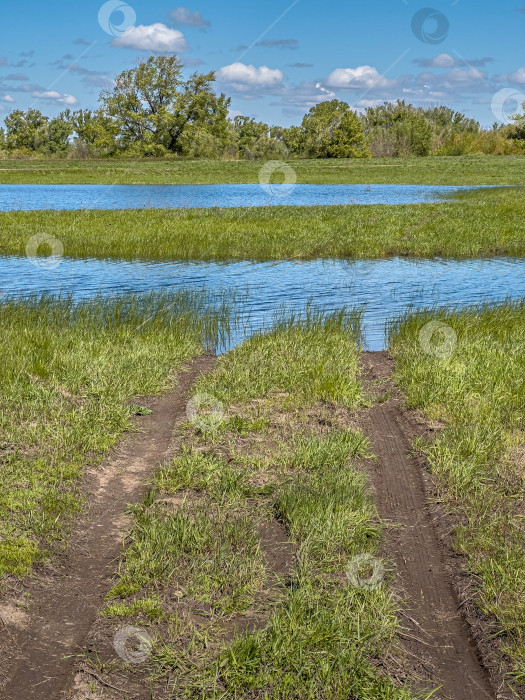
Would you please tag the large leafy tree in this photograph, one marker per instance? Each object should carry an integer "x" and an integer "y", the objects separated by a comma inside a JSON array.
[
  {"x": 22, "y": 128},
  {"x": 153, "y": 106},
  {"x": 332, "y": 130}
]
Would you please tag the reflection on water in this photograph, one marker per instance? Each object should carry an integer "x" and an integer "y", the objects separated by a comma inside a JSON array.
[
  {"x": 385, "y": 287},
  {"x": 31, "y": 197}
]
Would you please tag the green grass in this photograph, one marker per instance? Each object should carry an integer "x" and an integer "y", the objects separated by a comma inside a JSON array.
[
  {"x": 475, "y": 224},
  {"x": 306, "y": 359},
  {"x": 68, "y": 377},
  {"x": 195, "y": 541},
  {"x": 478, "y": 460},
  {"x": 460, "y": 170}
]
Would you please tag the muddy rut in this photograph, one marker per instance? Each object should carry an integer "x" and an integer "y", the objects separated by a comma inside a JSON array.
[
  {"x": 66, "y": 602},
  {"x": 435, "y": 636}
]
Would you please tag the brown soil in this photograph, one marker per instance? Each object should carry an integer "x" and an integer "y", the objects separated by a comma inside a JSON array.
[
  {"x": 65, "y": 601},
  {"x": 436, "y": 636}
]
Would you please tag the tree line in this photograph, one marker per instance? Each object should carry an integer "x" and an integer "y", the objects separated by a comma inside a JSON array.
[{"x": 153, "y": 111}]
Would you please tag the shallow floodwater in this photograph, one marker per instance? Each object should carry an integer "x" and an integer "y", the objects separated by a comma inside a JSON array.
[
  {"x": 33, "y": 197},
  {"x": 385, "y": 287}
]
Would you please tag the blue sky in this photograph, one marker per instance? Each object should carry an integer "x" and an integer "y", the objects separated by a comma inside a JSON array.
[{"x": 275, "y": 58}]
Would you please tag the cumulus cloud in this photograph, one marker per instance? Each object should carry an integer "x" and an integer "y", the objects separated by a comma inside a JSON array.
[
  {"x": 278, "y": 44},
  {"x": 8, "y": 98},
  {"x": 445, "y": 60},
  {"x": 362, "y": 77},
  {"x": 81, "y": 42},
  {"x": 183, "y": 16},
  {"x": 3, "y": 61},
  {"x": 245, "y": 78},
  {"x": 515, "y": 78},
  {"x": 157, "y": 38},
  {"x": 56, "y": 97},
  {"x": 17, "y": 76},
  {"x": 300, "y": 65}
]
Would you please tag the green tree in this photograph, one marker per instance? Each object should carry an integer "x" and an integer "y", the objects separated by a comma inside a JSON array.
[
  {"x": 397, "y": 130},
  {"x": 257, "y": 141},
  {"x": 96, "y": 133},
  {"x": 152, "y": 106},
  {"x": 332, "y": 130},
  {"x": 22, "y": 129}
]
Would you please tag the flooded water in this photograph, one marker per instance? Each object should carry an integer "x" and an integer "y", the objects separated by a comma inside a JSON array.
[
  {"x": 385, "y": 288},
  {"x": 33, "y": 197}
]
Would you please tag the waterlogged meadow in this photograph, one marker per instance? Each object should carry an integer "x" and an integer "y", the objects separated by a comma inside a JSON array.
[
  {"x": 473, "y": 389},
  {"x": 253, "y": 565},
  {"x": 480, "y": 223},
  {"x": 69, "y": 375}
]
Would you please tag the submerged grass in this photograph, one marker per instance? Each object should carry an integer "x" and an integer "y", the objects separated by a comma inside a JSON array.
[
  {"x": 69, "y": 373},
  {"x": 450, "y": 170},
  {"x": 285, "y": 458},
  {"x": 478, "y": 393},
  {"x": 487, "y": 222}
]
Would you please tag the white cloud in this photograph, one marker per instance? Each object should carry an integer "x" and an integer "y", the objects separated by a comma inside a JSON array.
[
  {"x": 362, "y": 77},
  {"x": 245, "y": 78},
  {"x": 157, "y": 38},
  {"x": 182, "y": 15},
  {"x": 307, "y": 94},
  {"x": 8, "y": 98},
  {"x": 516, "y": 78},
  {"x": 56, "y": 97},
  {"x": 457, "y": 75},
  {"x": 444, "y": 60}
]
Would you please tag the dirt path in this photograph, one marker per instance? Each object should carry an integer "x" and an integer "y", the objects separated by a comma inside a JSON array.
[
  {"x": 436, "y": 637},
  {"x": 65, "y": 603}
]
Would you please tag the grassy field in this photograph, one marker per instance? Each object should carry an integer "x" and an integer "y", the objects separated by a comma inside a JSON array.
[
  {"x": 477, "y": 394},
  {"x": 460, "y": 170},
  {"x": 474, "y": 224},
  {"x": 196, "y": 574},
  {"x": 68, "y": 377}
]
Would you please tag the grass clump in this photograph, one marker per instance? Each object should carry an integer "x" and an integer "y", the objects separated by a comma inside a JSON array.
[
  {"x": 303, "y": 360},
  {"x": 478, "y": 393},
  {"x": 68, "y": 375}
]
